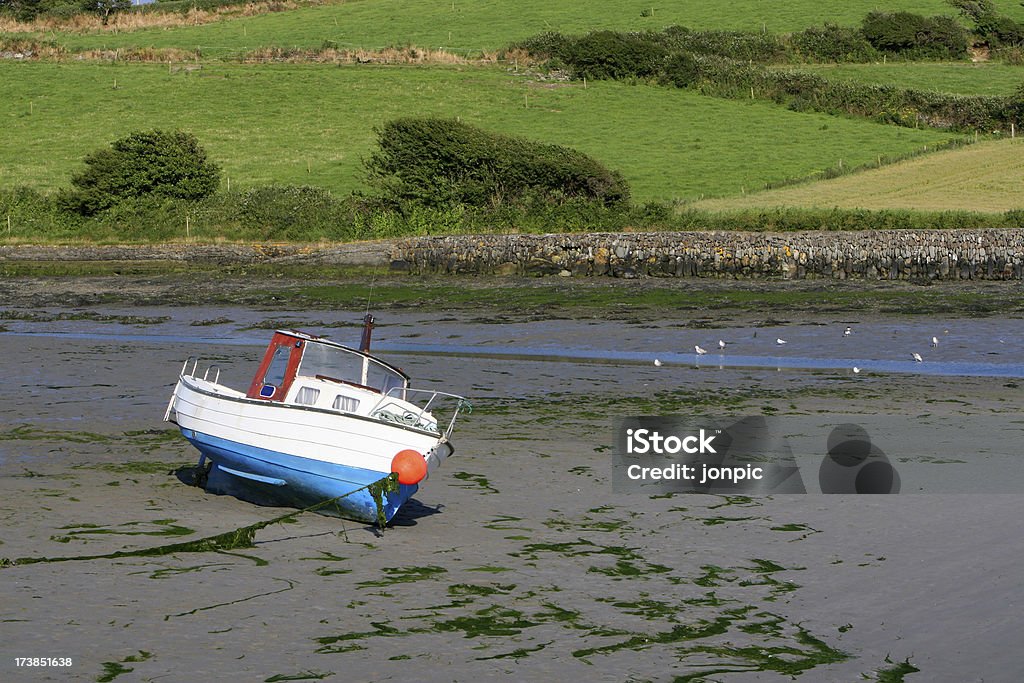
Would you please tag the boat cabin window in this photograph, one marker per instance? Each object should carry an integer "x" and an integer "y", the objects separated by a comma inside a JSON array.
[
  {"x": 383, "y": 378},
  {"x": 307, "y": 396},
  {"x": 331, "y": 362},
  {"x": 346, "y": 403},
  {"x": 278, "y": 366}
]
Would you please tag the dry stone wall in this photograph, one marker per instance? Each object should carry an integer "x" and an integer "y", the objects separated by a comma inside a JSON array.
[{"x": 874, "y": 255}]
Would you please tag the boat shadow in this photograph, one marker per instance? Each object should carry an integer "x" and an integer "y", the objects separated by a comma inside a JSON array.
[
  {"x": 412, "y": 511},
  {"x": 408, "y": 515},
  {"x": 191, "y": 475}
]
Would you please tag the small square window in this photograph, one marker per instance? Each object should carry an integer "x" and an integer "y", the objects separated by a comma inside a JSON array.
[
  {"x": 346, "y": 403},
  {"x": 307, "y": 396}
]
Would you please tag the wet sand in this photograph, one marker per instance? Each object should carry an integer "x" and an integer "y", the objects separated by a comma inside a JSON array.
[{"x": 516, "y": 558}]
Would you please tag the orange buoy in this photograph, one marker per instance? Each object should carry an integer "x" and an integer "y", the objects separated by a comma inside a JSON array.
[{"x": 410, "y": 466}]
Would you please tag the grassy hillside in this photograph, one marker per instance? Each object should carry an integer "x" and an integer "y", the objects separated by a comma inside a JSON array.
[
  {"x": 312, "y": 124},
  {"x": 472, "y": 26},
  {"x": 986, "y": 178}
]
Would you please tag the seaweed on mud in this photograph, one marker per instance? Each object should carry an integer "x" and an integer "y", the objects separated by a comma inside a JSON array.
[
  {"x": 395, "y": 575},
  {"x": 301, "y": 676},
  {"x": 36, "y": 317},
  {"x": 475, "y": 481},
  {"x": 112, "y": 670},
  {"x": 896, "y": 672},
  {"x": 237, "y": 539}
]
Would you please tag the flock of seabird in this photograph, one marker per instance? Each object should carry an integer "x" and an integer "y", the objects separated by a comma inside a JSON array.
[{"x": 779, "y": 341}]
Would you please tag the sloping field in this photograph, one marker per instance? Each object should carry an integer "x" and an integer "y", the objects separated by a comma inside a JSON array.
[
  {"x": 472, "y": 26},
  {"x": 313, "y": 124},
  {"x": 986, "y": 178}
]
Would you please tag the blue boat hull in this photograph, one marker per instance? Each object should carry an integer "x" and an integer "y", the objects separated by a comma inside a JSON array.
[{"x": 266, "y": 477}]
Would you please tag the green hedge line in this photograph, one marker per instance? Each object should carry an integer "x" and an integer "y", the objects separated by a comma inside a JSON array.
[
  {"x": 309, "y": 214},
  {"x": 802, "y": 91},
  {"x": 899, "y": 35},
  {"x": 607, "y": 54}
]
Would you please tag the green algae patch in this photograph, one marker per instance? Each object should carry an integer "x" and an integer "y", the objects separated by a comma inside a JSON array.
[
  {"x": 330, "y": 644},
  {"x": 491, "y": 621},
  {"x": 478, "y": 481},
  {"x": 896, "y": 672},
  {"x": 237, "y": 539},
  {"x": 112, "y": 670},
  {"x": 30, "y": 433},
  {"x": 35, "y": 317},
  {"x": 166, "y": 527},
  {"x": 395, "y": 575}
]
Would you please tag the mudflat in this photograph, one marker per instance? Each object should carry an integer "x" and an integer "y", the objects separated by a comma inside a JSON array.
[{"x": 516, "y": 558}]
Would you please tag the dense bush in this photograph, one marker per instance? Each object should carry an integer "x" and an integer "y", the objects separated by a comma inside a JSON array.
[
  {"x": 438, "y": 162},
  {"x": 618, "y": 55},
  {"x": 832, "y": 43},
  {"x": 27, "y": 10},
  {"x": 916, "y": 36},
  {"x": 155, "y": 163},
  {"x": 282, "y": 211},
  {"x": 993, "y": 29},
  {"x": 608, "y": 54},
  {"x": 681, "y": 70},
  {"x": 741, "y": 45}
]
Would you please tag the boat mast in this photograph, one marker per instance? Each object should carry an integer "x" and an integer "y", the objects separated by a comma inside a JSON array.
[{"x": 364, "y": 344}]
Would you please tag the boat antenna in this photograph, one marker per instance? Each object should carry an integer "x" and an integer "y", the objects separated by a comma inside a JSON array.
[{"x": 369, "y": 295}]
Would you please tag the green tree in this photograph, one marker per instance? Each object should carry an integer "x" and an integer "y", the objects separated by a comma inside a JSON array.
[
  {"x": 440, "y": 162},
  {"x": 163, "y": 164},
  {"x": 106, "y": 8}
]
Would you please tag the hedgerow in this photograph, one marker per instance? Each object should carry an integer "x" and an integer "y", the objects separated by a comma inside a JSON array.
[
  {"x": 711, "y": 73},
  {"x": 443, "y": 162}
]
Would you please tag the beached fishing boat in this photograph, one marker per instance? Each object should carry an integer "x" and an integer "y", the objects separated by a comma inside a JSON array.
[{"x": 319, "y": 421}]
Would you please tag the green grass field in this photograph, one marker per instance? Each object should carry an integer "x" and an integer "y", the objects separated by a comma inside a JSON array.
[
  {"x": 986, "y": 178},
  {"x": 961, "y": 78},
  {"x": 313, "y": 124},
  {"x": 472, "y": 26}
]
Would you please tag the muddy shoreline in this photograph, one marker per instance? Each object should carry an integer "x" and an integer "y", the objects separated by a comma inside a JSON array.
[
  {"x": 303, "y": 287},
  {"x": 516, "y": 559}
]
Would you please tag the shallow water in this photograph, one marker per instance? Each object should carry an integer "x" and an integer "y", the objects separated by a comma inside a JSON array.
[
  {"x": 516, "y": 558},
  {"x": 991, "y": 347}
]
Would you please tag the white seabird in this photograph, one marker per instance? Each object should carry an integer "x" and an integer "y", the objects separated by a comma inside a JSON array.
[
  {"x": 917, "y": 357},
  {"x": 848, "y": 331},
  {"x": 721, "y": 344},
  {"x": 699, "y": 350},
  {"x": 935, "y": 342},
  {"x": 781, "y": 341},
  {"x": 657, "y": 363}
]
